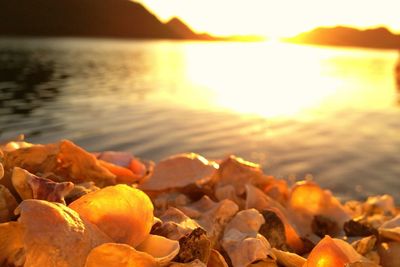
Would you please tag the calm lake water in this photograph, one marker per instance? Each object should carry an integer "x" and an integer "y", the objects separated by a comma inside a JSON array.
[{"x": 297, "y": 110}]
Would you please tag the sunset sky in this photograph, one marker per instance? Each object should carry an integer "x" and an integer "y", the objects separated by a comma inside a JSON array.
[{"x": 277, "y": 18}]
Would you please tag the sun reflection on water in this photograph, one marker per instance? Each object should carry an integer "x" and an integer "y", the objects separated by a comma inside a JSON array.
[
  {"x": 270, "y": 79},
  {"x": 273, "y": 79}
]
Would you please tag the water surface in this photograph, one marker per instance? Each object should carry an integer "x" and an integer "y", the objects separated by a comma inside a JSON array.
[{"x": 297, "y": 110}]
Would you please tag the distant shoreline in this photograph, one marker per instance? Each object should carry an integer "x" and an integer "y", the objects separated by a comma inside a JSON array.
[
  {"x": 377, "y": 38},
  {"x": 349, "y": 46},
  {"x": 221, "y": 39}
]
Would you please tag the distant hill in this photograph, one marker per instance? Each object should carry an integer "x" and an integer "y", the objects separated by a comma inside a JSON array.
[
  {"x": 345, "y": 36},
  {"x": 86, "y": 18},
  {"x": 180, "y": 28}
]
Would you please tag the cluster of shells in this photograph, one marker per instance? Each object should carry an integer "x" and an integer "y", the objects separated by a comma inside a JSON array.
[{"x": 63, "y": 206}]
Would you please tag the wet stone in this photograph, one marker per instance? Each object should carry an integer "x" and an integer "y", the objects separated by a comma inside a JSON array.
[{"x": 194, "y": 246}]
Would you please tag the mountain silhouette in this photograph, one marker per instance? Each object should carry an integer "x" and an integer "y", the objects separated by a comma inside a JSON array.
[
  {"x": 86, "y": 18},
  {"x": 180, "y": 28},
  {"x": 345, "y": 36}
]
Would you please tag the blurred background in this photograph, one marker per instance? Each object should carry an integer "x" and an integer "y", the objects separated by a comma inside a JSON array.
[{"x": 305, "y": 88}]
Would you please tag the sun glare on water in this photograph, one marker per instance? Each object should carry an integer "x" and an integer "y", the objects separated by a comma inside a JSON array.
[{"x": 269, "y": 79}]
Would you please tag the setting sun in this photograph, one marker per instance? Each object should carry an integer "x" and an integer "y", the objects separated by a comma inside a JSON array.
[{"x": 276, "y": 18}]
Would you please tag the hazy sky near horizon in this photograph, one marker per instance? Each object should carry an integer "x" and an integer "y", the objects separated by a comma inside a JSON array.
[{"x": 277, "y": 18}]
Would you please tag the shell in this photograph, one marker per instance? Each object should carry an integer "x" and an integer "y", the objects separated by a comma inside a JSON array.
[
  {"x": 55, "y": 235},
  {"x": 195, "y": 263},
  {"x": 307, "y": 199},
  {"x": 169, "y": 199},
  {"x": 80, "y": 190},
  {"x": 238, "y": 172},
  {"x": 391, "y": 229},
  {"x": 321, "y": 226},
  {"x": 14, "y": 145},
  {"x": 363, "y": 264},
  {"x": 31, "y": 186},
  {"x": 111, "y": 226},
  {"x": 273, "y": 230},
  {"x": 180, "y": 171},
  {"x": 212, "y": 216},
  {"x": 229, "y": 192},
  {"x": 64, "y": 159},
  {"x": 389, "y": 253},
  {"x": 194, "y": 245},
  {"x": 197, "y": 209},
  {"x": 242, "y": 242},
  {"x": 358, "y": 228},
  {"x": 138, "y": 169},
  {"x": 380, "y": 205},
  {"x": 255, "y": 198},
  {"x": 264, "y": 263},
  {"x": 34, "y": 158},
  {"x": 277, "y": 189},
  {"x": 332, "y": 252},
  {"x": 11, "y": 244},
  {"x": 355, "y": 208},
  {"x": 175, "y": 224},
  {"x": 122, "y": 175},
  {"x": 119, "y": 158},
  {"x": 7, "y": 204},
  {"x": 20, "y": 183},
  {"x": 365, "y": 245},
  {"x": 373, "y": 256},
  {"x": 372, "y": 222},
  {"x": 216, "y": 259},
  {"x": 81, "y": 166},
  {"x": 124, "y": 213},
  {"x": 288, "y": 259},
  {"x": 119, "y": 255},
  {"x": 1, "y": 164},
  {"x": 162, "y": 249}
]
